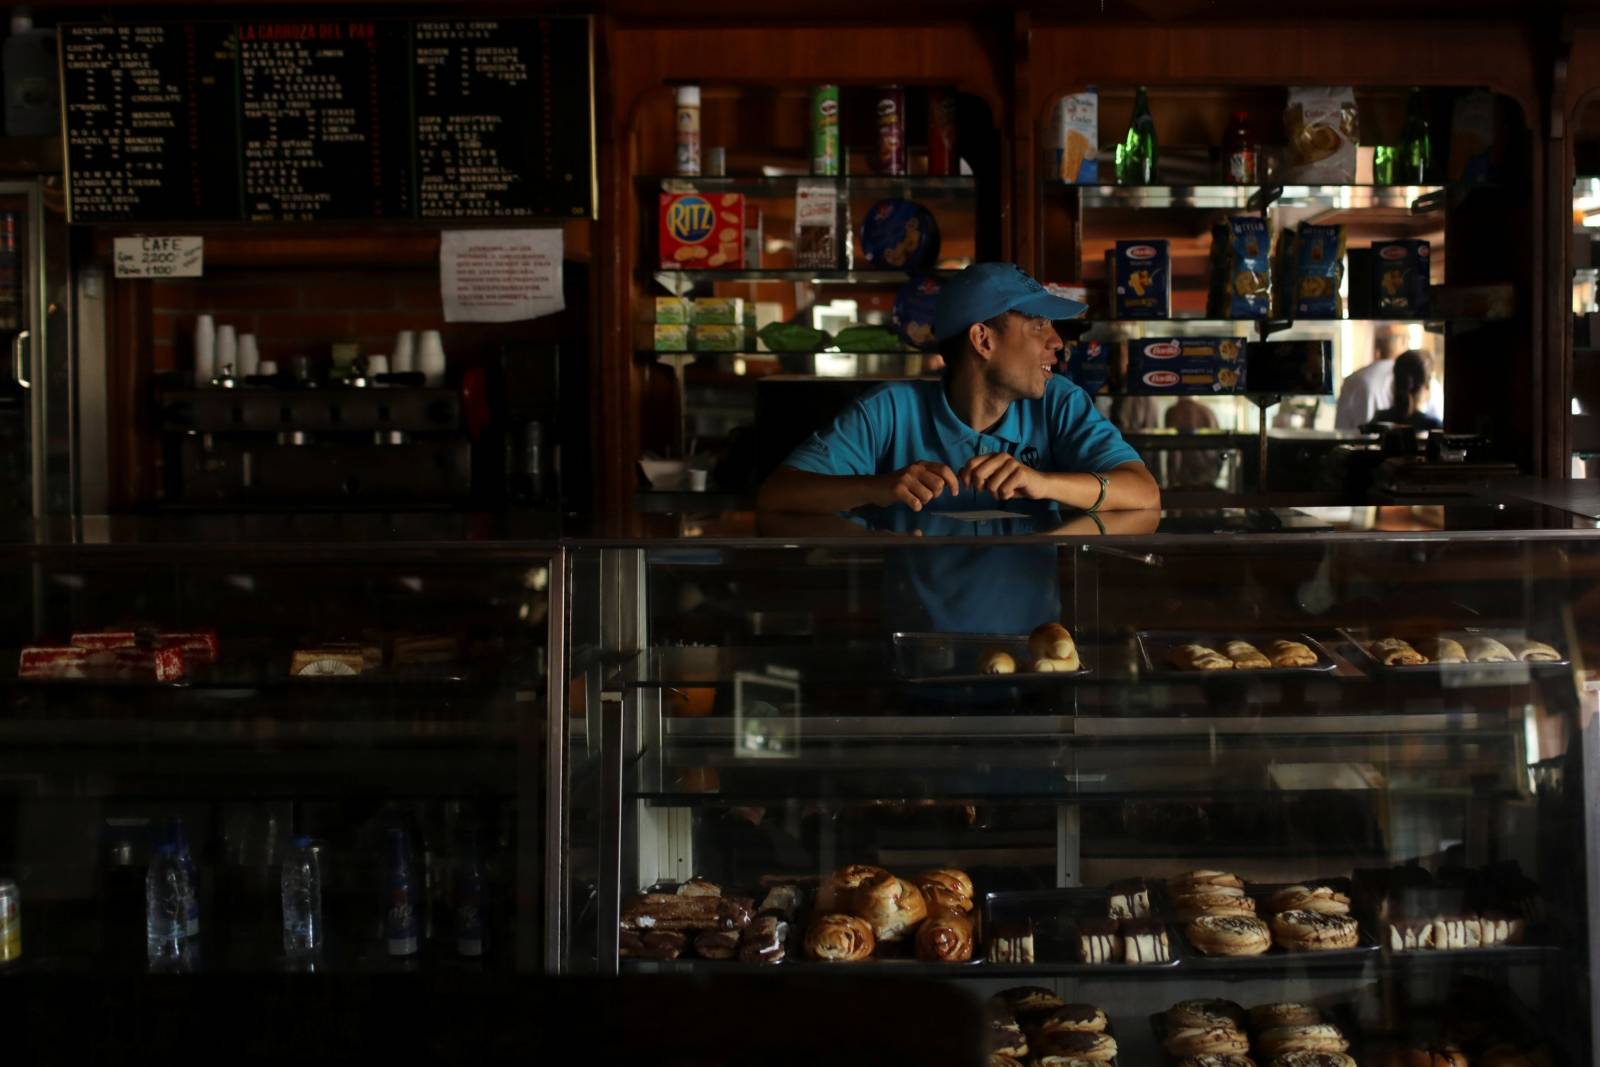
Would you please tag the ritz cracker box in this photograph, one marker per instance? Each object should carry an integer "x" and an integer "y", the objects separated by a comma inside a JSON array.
[
  {"x": 700, "y": 231},
  {"x": 1141, "y": 280},
  {"x": 1186, "y": 366}
]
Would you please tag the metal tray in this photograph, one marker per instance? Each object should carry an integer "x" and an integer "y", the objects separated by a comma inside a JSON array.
[
  {"x": 1054, "y": 913},
  {"x": 1277, "y": 956},
  {"x": 952, "y": 659},
  {"x": 1154, "y": 645},
  {"x": 1458, "y": 673}
]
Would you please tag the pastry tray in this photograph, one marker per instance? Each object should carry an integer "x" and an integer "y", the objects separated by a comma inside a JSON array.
[
  {"x": 1277, "y": 956},
  {"x": 1459, "y": 673},
  {"x": 1343, "y": 1015},
  {"x": 1155, "y": 644},
  {"x": 952, "y": 659},
  {"x": 1054, "y": 913}
]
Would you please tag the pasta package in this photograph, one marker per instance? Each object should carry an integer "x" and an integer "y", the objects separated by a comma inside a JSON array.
[
  {"x": 1323, "y": 131},
  {"x": 1241, "y": 269},
  {"x": 1318, "y": 272}
]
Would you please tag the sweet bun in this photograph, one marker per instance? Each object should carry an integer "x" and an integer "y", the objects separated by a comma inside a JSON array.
[
  {"x": 1272, "y": 1016},
  {"x": 945, "y": 938},
  {"x": 892, "y": 905},
  {"x": 1078, "y": 1045},
  {"x": 1312, "y": 1059},
  {"x": 949, "y": 878},
  {"x": 1214, "y": 1060},
  {"x": 1229, "y": 935},
  {"x": 1312, "y": 1037},
  {"x": 839, "y": 939},
  {"x": 1051, "y": 641},
  {"x": 1185, "y": 882},
  {"x": 997, "y": 661},
  {"x": 1084, "y": 1017},
  {"x": 1206, "y": 1041},
  {"x": 1053, "y": 665},
  {"x": 1029, "y": 1000},
  {"x": 1313, "y": 931},
  {"x": 835, "y": 892},
  {"x": 1203, "y": 1013},
  {"x": 1319, "y": 898},
  {"x": 941, "y": 901}
]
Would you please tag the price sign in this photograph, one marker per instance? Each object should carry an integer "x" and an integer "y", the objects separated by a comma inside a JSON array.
[{"x": 160, "y": 257}]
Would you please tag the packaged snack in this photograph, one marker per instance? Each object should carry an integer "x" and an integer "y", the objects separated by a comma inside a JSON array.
[
  {"x": 1318, "y": 272},
  {"x": 701, "y": 230},
  {"x": 1141, "y": 280},
  {"x": 672, "y": 310},
  {"x": 899, "y": 234},
  {"x": 718, "y": 311},
  {"x": 1323, "y": 134},
  {"x": 1089, "y": 366},
  {"x": 1400, "y": 279},
  {"x": 722, "y": 337},
  {"x": 914, "y": 305},
  {"x": 816, "y": 224},
  {"x": 1077, "y": 133},
  {"x": 1186, "y": 366},
  {"x": 1241, "y": 269},
  {"x": 671, "y": 337}
]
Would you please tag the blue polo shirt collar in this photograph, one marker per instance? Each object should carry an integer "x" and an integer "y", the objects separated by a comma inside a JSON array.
[{"x": 957, "y": 436}]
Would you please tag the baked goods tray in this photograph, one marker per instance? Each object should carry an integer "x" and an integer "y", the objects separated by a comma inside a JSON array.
[
  {"x": 1154, "y": 646},
  {"x": 1277, "y": 956},
  {"x": 1054, "y": 914},
  {"x": 952, "y": 659},
  {"x": 1343, "y": 1015},
  {"x": 1458, "y": 673}
]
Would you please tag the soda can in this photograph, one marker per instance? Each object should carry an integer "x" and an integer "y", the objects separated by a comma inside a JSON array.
[
  {"x": 825, "y": 130},
  {"x": 942, "y": 133},
  {"x": 10, "y": 921},
  {"x": 688, "y": 123},
  {"x": 892, "y": 130}
]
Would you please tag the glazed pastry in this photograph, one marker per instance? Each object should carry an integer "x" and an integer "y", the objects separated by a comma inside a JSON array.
[
  {"x": 945, "y": 939},
  {"x": 1204, "y": 1014},
  {"x": 1145, "y": 941},
  {"x": 956, "y": 881},
  {"x": 1212, "y": 1060},
  {"x": 1319, "y": 898},
  {"x": 1029, "y": 1001},
  {"x": 1229, "y": 935},
  {"x": 1482, "y": 649},
  {"x": 1314, "y": 931},
  {"x": 996, "y": 661},
  {"x": 1198, "y": 658},
  {"x": 1394, "y": 652},
  {"x": 839, "y": 939},
  {"x": 1312, "y": 1037},
  {"x": 1312, "y": 1059},
  {"x": 1129, "y": 899},
  {"x": 1099, "y": 941},
  {"x": 699, "y": 887},
  {"x": 1531, "y": 651},
  {"x": 1212, "y": 900},
  {"x": 1006, "y": 1038},
  {"x": 836, "y": 890},
  {"x": 1078, "y": 1045},
  {"x": 1442, "y": 649},
  {"x": 1052, "y": 641},
  {"x": 1011, "y": 941},
  {"x": 1291, "y": 654},
  {"x": 1245, "y": 656},
  {"x": 781, "y": 901},
  {"x": 1083, "y": 1017},
  {"x": 941, "y": 901},
  {"x": 717, "y": 944},
  {"x": 1057, "y": 666},
  {"x": 1272, "y": 1016},
  {"x": 1189, "y": 880},
  {"x": 1205, "y": 1041},
  {"x": 763, "y": 940},
  {"x": 892, "y": 905}
]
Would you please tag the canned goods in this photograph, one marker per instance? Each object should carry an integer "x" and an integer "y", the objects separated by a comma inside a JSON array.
[
  {"x": 825, "y": 130},
  {"x": 688, "y": 158},
  {"x": 892, "y": 130},
  {"x": 942, "y": 133},
  {"x": 10, "y": 921}
]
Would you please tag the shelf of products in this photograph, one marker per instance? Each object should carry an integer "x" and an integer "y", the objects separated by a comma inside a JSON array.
[{"x": 1426, "y": 198}]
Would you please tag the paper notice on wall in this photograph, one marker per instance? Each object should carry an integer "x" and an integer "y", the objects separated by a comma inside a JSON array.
[
  {"x": 500, "y": 275},
  {"x": 159, "y": 257}
]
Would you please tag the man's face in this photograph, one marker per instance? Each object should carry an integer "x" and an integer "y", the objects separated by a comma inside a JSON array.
[{"x": 1024, "y": 356}]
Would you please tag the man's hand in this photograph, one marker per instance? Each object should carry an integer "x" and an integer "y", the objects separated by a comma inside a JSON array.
[
  {"x": 919, "y": 483},
  {"x": 1004, "y": 477}
]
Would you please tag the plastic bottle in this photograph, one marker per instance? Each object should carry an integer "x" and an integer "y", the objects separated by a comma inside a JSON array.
[
  {"x": 688, "y": 129},
  {"x": 31, "y": 86},
  {"x": 180, "y": 839},
  {"x": 167, "y": 894},
  {"x": 1239, "y": 152},
  {"x": 1137, "y": 154},
  {"x": 301, "y": 883},
  {"x": 403, "y": 902},
  {"x": 468, "y": 899},
  {"x": 1415, "y": 165}
]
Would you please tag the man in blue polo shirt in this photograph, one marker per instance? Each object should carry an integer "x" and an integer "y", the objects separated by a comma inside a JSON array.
[{"x": 1000, "y": 425}]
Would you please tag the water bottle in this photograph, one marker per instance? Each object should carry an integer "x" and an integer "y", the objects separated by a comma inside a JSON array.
[
  {"x": 180, "y": 839},
  {"x": 468, "y": 894},
  {"x": 302, "y": 898},
  {"x": 402, "y": 911},
  {"x": 167, "y": 893}
]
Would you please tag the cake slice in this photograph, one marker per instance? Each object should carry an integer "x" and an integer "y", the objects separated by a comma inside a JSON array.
[
  {"x": 1099, "y": 941},
  {"x": 1145, "y": 941}
]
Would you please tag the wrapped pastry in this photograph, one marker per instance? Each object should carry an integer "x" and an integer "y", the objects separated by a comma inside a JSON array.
[
  {"x": 945, "y": 939},
  {"x": 837, "y": 889},
  {"x": 1482, "y": 649},
  {"x": 1285, "y": 653},
  {"x": 1245, "y": 656},
  {"x": 1198, "y": 658},
  {"x": 1394, "y": 652},
  {"x": 1530, "y": 651},
  {"x": 892, "y": 905},
  {"x": 839, "y": 939},
  {"x": 1441, "y": 649}
]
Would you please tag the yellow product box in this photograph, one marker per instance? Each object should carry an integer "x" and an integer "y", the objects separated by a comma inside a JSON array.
[
  {"x": 719, "y": 338},
  {"x": 718, "y": 311},
  {"x": 671, "y": 337},
  {"x": 672, "y": 310}
]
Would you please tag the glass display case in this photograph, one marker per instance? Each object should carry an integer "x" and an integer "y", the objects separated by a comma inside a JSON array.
[
  {"x": 1332, "y": 760},
  {"x": 249, "y": 746}
]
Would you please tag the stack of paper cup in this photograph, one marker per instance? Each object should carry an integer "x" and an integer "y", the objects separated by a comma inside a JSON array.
[
  {"x": 205, "y": 350},
  {"x": 430, "y": 357},
  {"x": 227, "y": 350},
  {"x": 403, "y": 360},
  {"x": 249, "y": 355}
]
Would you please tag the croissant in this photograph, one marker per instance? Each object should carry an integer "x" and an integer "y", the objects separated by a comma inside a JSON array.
[
  {"x": 945, "y": 939},
  {"x": 1487, "y": 650},
  {"x": 1291, "y": 654},
  {"x": 1441, "y": 649},
  {"x": 892, "y": 905},
  {"x": 1530, "y": 651},
  {"x": 1394, "y": 652},
  {"x": 1245, "y": 656},
  {"x": 956, "y": 881},
  {"x": 1199, "y": 658},
  {"x": 835, "y": 892},
  {"x": 839, "y": 939}
]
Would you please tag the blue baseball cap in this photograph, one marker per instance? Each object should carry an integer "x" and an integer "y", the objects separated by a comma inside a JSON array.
[{"x": 985, "y": 290}]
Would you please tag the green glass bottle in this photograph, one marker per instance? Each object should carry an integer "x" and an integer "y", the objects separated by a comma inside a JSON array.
[
  {"x": 1415, "y": 165},
  {"x": 1136, "y": 155}
]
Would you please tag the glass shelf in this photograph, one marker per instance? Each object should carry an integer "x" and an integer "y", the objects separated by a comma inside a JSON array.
[
  {"x": 1243, "y": 197},
  {"x": 940, "y": 187},
  {"x": 682, "y": 280}
]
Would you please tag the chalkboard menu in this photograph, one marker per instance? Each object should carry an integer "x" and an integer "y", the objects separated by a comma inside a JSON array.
[{"x": 329, "y": 119}]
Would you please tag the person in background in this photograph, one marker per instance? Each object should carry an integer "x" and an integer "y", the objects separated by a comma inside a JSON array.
[
  {"x": 1370, "y": 390},
  {"x": 1413, "y": 381},
  {"x": 1192, "y": 468}
]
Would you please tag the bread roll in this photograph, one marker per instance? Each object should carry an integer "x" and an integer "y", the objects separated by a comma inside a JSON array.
[
  {"x": 1441, "y": 649},
  {"x": 835, "y": 892},
  {"x": 996, "y": 661},
  {"x": 1051, "y": 641},
  {"x": 1291, "y": 654},
  {"x": 1487, "y": 650},
  {"x": 893, "y": 906},
  {"x": 945, "y": 938},
  {"x": 1394, "y": 652},
  {"x": 839, "y": 939},
  {"x": 1530, "y": 651},
  {"x": 956, "y": 881},
  {"x": 1049, "y": 665}
]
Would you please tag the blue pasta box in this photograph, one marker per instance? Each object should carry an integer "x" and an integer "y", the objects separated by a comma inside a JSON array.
[
  {"x": 1089, "y": 366},
  {"x": 1186, "y": 366},
  {"x": 1400, "y": 279},
  {"x": 1140, "y": 274}
]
